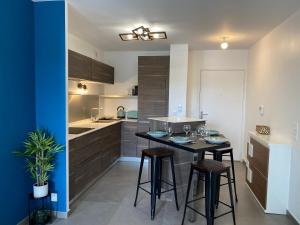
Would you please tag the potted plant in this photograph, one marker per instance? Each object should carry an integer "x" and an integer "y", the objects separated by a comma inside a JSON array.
[{"x": 39, "y": 153}]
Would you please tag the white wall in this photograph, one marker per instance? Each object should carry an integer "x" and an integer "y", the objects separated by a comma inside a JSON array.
[
  {"x": 179, "y": 54},
  {"x": 210, "y": 60},
  {"x": 81, "y": 46},
  {"x": 274, "y": 81},
  {"x": 126, "y": 76}
]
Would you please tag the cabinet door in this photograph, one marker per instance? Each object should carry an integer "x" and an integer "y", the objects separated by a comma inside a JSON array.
[
  {"x": 153, "y": 81},
  {"x": 80, "y": 66},
  {"x": 129, "y": 140},
  {"x": 102, "y": 72}
]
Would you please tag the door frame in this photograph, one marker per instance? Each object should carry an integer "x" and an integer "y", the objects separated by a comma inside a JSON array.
[{"x": 243, "y": 127}]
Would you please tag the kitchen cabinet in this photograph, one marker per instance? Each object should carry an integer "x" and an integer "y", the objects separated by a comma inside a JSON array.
[
  {"x": 267, "y": 171},
  {"x": 80, "y": 66},
  {"x": 153, "y": 81},
  {"x": 129, "y": 140},
  {"x": 153, "y": 99},
  {"x": 90, "y": 155},
  {"x": 83, "y": 67},
  {"x": 102, "y": 72}
]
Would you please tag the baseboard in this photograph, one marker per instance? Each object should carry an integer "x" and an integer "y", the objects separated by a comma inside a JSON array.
[
  {"x": 60, "y": 215},
  {"x": 292, "y": 217}
]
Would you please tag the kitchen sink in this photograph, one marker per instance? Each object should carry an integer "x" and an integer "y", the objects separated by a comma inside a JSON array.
[{"x": 78, "y": 130}]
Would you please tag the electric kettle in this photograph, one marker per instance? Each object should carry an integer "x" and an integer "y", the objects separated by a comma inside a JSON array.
[{"x": 121, "y": 112}]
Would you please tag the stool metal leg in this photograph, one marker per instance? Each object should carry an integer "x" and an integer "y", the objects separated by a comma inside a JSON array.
[
  {"x": 218, "y": 157},
  {"x": 231, "y": 196},
  {"x": 187, "y": 194},
  {"x": 154, "y": 167},
  {"x": 174, "y": 181},
  {"x": 159, "y": 172},
  {"x": 139, "y": 179},
  {"x": 233, "y": 174},
  {"x": 208, "y": 195},
  {"x": 215, "y": 184}
]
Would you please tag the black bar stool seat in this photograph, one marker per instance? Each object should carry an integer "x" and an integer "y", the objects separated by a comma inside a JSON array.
[
  {"x": 218, "y": 155},
  {"x": 156, "y": 155},
  {"x": 211, "y": 169}
]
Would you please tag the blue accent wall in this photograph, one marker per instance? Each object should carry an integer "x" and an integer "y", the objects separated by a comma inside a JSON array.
[
  {"x": 50, "y": 72},
  {"x": 17, "y": 108}
]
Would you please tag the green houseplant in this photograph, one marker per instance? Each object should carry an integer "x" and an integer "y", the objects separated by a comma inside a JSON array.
[{"x": 39, "y": 152}]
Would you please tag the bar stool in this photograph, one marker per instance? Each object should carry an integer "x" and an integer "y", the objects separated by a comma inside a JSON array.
[
  {"x": 218, "y": 155},
  {"x": 211, "y": 169},
  {"x": 156, "y": 155}
]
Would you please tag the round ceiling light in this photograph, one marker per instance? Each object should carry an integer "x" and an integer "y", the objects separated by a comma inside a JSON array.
[{"x": 224, "y": 44}]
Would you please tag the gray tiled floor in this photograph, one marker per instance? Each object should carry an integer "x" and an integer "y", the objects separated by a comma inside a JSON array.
[{"x": 110, "y": 202}]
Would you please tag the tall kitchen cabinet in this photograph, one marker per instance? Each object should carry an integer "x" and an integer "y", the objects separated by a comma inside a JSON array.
[{"x": 153, "y": 100}]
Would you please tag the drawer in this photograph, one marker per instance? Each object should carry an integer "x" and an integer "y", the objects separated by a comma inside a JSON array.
[
  {"x": 260, "y": 159},
  {"x": 259, "y": 186}
]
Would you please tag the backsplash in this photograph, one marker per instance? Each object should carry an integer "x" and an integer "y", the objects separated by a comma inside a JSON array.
[{"x": 80, "y": 106}]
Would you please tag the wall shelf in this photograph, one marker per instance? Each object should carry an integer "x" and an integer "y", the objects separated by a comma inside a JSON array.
[{"x": 119, "y": 96}]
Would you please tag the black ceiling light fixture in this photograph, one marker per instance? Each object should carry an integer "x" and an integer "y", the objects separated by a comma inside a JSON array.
[{"x": 142, "y": 33}]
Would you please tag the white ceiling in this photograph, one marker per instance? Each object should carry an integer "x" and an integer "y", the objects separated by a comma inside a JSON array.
[{"x": 200, "y": 23}]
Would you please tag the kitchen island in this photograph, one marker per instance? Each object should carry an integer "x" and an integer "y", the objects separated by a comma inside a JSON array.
[{"x": 184, "y": 154}]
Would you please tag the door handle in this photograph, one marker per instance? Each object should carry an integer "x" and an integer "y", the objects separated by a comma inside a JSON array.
[{"x": 203, "y": 114}]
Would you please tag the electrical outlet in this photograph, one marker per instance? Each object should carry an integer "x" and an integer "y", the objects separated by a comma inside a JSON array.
[
  {"x": 249, "y": 175},
  {"x": 250, "y": 151},
  {"x": 53, "y": 197}
]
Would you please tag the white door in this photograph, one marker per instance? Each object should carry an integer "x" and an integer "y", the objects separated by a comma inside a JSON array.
[{"x": 222, "y": 99}]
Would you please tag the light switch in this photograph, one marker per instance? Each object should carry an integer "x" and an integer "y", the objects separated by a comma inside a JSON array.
[
  {"x": 261, "y": 110},
  {"x": 296, "y": 131}
]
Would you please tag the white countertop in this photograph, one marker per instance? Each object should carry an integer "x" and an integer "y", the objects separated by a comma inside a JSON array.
[
  {"x": 175, "y": 119},
  {"x": 268, "y": 140},
  {"x": 87, "y": 123}
]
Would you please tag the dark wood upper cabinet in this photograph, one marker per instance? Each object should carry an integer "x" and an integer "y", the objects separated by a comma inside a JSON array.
[
  {"x": 102, "y": 72},
  {"x": 153, "y": 80},
  {"x": 83, "y": 67},
  {"x": 80, "y": 66}
]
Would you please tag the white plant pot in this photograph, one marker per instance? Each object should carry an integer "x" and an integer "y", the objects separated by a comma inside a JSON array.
[{"x": 40, "y": 191}]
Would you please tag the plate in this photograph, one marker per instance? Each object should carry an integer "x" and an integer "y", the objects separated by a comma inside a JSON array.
[
  {"x": 215, "y": 140},
  {"x": 180, "y": 139},
  {"x": 157, "y": 133},
  {"x": 212, "y": 132}
]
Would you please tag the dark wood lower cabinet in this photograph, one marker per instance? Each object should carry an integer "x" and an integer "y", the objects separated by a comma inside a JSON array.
[
  {"x": 90, "y": 155},
  {"x": 258, "y": 164},
  {"x": 129, "y": 140}
]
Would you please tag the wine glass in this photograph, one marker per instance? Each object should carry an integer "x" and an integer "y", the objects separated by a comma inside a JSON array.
[
  {"x": 186, "y": 129},
  {"x": 170, "y": 131},
  {"x": 201, "y": 130},
  {"x": 193, "y": 136},
  {"x": 165, "y": 126}
]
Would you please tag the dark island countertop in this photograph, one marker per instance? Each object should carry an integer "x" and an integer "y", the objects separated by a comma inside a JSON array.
[{"x": 198, "y": 147}]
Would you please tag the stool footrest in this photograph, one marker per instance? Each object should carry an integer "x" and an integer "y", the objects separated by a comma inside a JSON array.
[
  {"x": 147, "y": 182},
  {"x": 202, "y": 214}
]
